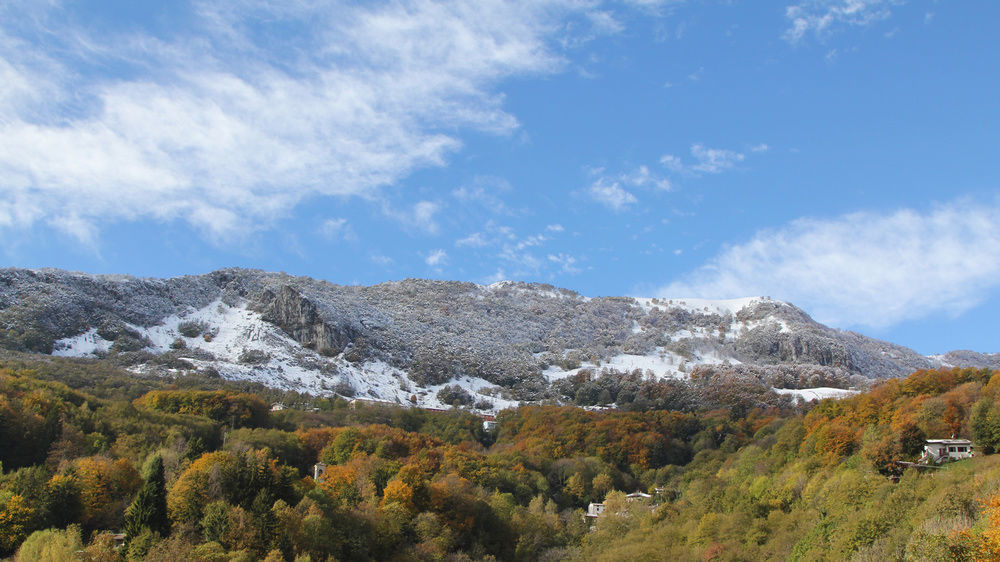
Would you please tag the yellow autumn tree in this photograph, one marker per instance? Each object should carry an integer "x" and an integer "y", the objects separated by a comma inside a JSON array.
[
  {"x": 15, "y": 516},
  {"x": 397, "y": 491},
  {"x": 339, "y": 482}
]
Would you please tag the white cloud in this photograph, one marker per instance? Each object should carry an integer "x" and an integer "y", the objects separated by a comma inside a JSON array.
[
  {"x": 474, "y": 240},
  {"x": 334, "y": 228},
  {"x": 381, "y": 259},
  {"x": 420, "y": 216},
  {"x": 493, "y": 234},
  {"x": 672, "y": 162},
  {"x": 230, "y": 121},
  {"x": 762, "y": 147},
  {"x": 530, "y": 241},
  {"x": 566, "y": 262},
  {"x": 608, "y": 189},
  {"x": 822, "y": 17},
  {"x": 436, "y": 258},
  {"x": 642, "y": 177},
  {"x": 865, "y": 268},
  {"x": 611, "y": 194},
  {"x": 518, "y": 253},
  {"x": 483, "y": 191},
  {"x": 605, "y": 22},
  {"x": 525, "y": 261},
  {"x": 79, "y": 229},
  {"x": 521, "y": 256},
  {"x": 707, "y": 160},
  {"x": 423, "y": 215},
  {"x": 714, "y": 160}
]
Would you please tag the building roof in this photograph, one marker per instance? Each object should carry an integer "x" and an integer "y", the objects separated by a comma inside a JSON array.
[{"x": 949, "y": 442}]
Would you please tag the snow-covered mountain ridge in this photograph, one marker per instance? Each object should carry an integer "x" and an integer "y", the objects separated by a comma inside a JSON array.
[{"x": 429, "y": 342}]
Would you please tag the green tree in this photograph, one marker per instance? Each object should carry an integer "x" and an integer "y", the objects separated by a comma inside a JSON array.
[
  {"x": 215, "y": 521},
  {"x": 986, "y": 425},
  {"x": 149, "y": 510},
  {"x": 51, "y": 545},
  {"x": 61, "y": 500}
]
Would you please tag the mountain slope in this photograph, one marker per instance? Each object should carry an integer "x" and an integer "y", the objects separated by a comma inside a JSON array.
[{"x": 407, "y": 340}]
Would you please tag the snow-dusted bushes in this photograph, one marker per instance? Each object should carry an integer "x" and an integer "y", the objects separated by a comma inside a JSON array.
[
  {"x": 455, "y": 395},
  {"x": 192, "y": 328}
]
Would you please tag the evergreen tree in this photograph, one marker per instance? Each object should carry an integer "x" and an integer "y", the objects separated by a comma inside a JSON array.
[{"x": 149, "y": 510}]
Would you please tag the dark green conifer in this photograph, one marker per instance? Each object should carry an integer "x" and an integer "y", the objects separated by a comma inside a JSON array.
[{"x": 149, "y": 510}]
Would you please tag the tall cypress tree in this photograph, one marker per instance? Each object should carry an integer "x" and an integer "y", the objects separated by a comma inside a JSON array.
[{"x": 149, "y": 510}]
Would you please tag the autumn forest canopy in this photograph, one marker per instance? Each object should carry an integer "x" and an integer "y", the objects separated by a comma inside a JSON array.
[{"x": 196, "y": 468}]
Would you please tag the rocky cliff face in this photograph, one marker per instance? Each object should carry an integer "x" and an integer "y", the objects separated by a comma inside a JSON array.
[
  {"x": 414, "y": 336},
  {"x": 298, "y": 317}
]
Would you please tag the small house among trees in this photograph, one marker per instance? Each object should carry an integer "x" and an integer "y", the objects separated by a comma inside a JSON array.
[
  {"x": 319, "y": 469},
  {"x": 942, "y": 450},
  {"x": 594, "y": 510}
]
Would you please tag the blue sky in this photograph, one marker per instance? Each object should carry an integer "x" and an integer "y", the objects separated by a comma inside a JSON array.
[{"x": 837, "y": 154}]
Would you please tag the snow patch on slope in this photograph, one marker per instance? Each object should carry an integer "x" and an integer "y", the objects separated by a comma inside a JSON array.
[
  {"x": 663, "y": 363},
  {"x": 240, "y": 344},
  {"x": 820, "y": 393},
  {"x": 939, "y": 360},
  {"x": 701, "y": 306},
  {"x": 83, "y": 345}
]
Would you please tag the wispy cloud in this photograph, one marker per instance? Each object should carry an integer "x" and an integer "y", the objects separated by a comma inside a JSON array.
[
  {"x": 381, "y": 259},
  {"x": 823, "y": 17},
  {"x": 643, "y": 177},
  {"x": 484, "y": 191},
  {"x": 421, "y": 216},
  {"x": 611, "y": 194},
  {"x": 520, "y": 255},
  {"x": 493, "y": 234},
  {"x": 474, "y": 240},
  {"x": 567, "y": 263},
  {"x": 336, "y": 228},
  {"x": 706, "y": 160},
  {"x": 220, "y": 124},
  {"x": 436, "y": 258},
  {"x": 865, "y": 268},
  {"x": 617, "y": 190}
]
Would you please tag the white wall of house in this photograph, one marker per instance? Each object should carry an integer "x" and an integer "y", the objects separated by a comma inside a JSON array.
[{"x": 939, "y": 450}]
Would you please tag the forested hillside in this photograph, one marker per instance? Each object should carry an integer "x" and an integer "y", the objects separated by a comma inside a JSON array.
[{"x": 196, "y": 468}]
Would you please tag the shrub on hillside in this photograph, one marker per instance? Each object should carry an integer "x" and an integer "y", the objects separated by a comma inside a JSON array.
[
  {"x": 192, "y": 328},
  {"x": 455, "y": 395}
]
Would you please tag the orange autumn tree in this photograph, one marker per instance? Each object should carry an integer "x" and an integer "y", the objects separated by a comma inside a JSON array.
[
  {"x": 989, "y": 540},
  {"x": 106, "y": 487}
]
